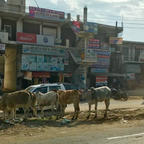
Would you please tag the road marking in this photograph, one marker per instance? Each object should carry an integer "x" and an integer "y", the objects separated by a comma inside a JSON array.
[{"x": 125, "y": 136}]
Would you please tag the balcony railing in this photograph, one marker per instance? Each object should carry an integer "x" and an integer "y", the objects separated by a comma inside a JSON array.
[
  {"x": 130, "y": 59},
  {"x": 10, "y": 8}
]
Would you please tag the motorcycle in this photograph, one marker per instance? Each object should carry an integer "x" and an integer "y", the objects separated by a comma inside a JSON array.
[{"x": 119, "y": 94}]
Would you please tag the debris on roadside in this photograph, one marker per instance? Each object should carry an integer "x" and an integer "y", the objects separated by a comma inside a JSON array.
[
  {"x": 65, "y": 121},
  {"x": 123, "y": 120}
]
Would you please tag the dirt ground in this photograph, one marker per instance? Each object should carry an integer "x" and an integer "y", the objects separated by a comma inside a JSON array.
[{"x": 121, "y": 113}]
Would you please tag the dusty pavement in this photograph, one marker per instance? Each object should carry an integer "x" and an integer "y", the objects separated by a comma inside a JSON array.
[{"x": 123, "y": 117}]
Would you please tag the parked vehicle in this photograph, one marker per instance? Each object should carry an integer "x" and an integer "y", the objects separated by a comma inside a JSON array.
[
  {"x": 68, "y": 86},
  {"x": 44, "y": 88},
  {"x": 120, "y": 94}
]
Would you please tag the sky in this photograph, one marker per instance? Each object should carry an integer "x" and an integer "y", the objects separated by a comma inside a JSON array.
[{"x": 130, "y": 12}]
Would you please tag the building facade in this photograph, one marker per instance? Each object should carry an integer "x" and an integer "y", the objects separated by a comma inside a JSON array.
[
  {"x": 133, "y": 63},
  {"x": 32, "y": 48},
  {"x": 40, "y": 45}
]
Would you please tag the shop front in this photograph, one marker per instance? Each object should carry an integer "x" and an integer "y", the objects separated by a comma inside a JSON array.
[{"x": 46, "y": 64}]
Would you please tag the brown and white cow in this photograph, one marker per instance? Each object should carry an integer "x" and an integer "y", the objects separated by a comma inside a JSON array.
[
  {"x": 18, "y": 99},
  {"x": 68, "y": 97}
]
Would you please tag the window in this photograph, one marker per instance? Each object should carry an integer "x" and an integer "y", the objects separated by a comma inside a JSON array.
[
  {"x": 8, "y": 29},
  {"x": 54, "y": 88},
  {"x": 41, "y": 89},
  {"x": 126, "y": 53}
]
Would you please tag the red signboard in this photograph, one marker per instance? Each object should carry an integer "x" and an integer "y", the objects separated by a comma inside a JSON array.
[
  {"x": 101, "y": 78},
  {"x": 46, "y": 13},
  {"x": 41, "y": 74},
  {"x": 26, "y": 37}
]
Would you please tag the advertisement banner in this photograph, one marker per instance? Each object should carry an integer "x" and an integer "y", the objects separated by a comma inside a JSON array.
[
  {"x": 101, "y": 80},
  {"x": 42, "y": 63},
  {"x": 3, "y": 37},
  {"x": 28, "y": 75},
  {"x": 91, "y": 55},
  {"x": 94, "y": 44},
  {"x": 99, "y": 70},
  {"x": 130, "y": 76},
  {"x": 2, "y": 47},
  {"x": 26, "y": 37},
  {"x": 43, "y": 50},
  {"x": 46, "y": 13},
  {"x": 33, "y": 38},
  {"x": 133, "y": 68},
  {"x": 45, "y": 40},
  {"x": 76, "y": 26},
  {"x": 91, "y": 27},
  {"x": 41, "y": 74},
  {"x": 115, "y": 40}
]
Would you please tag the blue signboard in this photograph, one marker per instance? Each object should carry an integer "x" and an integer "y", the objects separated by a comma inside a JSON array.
[
  {"x": 91, "y": 27},
  {"x": 42, "y": 63}
]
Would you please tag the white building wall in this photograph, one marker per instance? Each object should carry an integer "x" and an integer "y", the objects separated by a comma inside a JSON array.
[
  {"x": 0, "y": 23},
  {"x": 19, "y": 26}
]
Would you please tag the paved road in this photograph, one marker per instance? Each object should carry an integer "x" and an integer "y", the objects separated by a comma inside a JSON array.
[{"x": 129, "y": 135}]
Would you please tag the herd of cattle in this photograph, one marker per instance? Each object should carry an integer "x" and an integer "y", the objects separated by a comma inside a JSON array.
[{"x": 57, "y": 99}]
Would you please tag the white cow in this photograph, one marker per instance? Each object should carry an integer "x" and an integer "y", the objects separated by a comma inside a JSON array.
[
  {"x": 48, "y": 99},
  {"x": 95, "y": 95}
]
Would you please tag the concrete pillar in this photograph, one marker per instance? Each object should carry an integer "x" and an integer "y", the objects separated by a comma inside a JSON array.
[
  {"x": 85, "y": 76},
  {"x": 10, "y": 69},
  {"x": 68, "y": 17},
  {"x": 59, "y": 32},
  {"x": 78, "y": 17},
  {"x": 67, "y": 43},
  {"x": 41, "y": 29},
  {"x": 20, "y": 25},
  {"x": 85, "y": 15},
  {"x": 0, "y": 23}
]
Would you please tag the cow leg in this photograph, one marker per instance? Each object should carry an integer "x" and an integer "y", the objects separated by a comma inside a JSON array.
[
  {"x": 25, "y": 113},
  {"x": 89, "y": 110},
  {"x": 52, "y": 110},
  {"x": 107, "y": 103},
  {"x": 62, "y": 110},
  {"x": 34, "y": 111},
  {"x": 76, "y": 112},
  {"x": 42, "y": 111},
  {"x": 58, "y": 110},
  {"x": 4, "y": 114},
  {"x": 96, "y": 104},
  {"x": 14, "y": 113}
]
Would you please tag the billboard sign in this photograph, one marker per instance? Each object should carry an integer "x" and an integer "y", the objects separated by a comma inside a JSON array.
[
  {"x": 3, "y": 37},
  {"x": 37, "y": 39},
  {"x": 91, "y": 55},
  {"x": 91, "y": 27},
  {"x": 101, "y": 80},
  {"x": 45, "y": 40},
  {"x": 115, "y": 40},
  {"x": 46, "y": 13},
  {"x": 26, "y": 37},
  {"x": 42, "y": 63},
  {"x": 2, "y": 47},
  {"x": 43, "y": 50}
]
